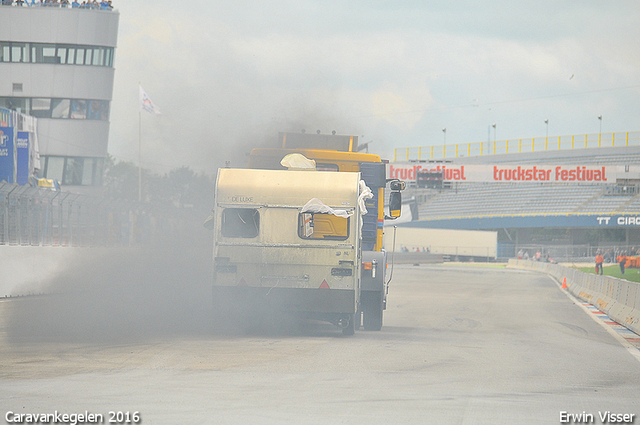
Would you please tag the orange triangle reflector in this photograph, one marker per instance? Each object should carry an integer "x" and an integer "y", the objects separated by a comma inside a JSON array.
[
  {"x": 324, "y": 284},
  {"x": 242, "y": 282}
]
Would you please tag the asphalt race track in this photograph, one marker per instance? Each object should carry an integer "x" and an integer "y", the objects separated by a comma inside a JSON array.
[{"x": 460, "y": 345}]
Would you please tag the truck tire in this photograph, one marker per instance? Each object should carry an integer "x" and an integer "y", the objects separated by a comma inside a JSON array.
[
  {"x": 351, "y": 327},
  {"x": 372, "y": 306}
]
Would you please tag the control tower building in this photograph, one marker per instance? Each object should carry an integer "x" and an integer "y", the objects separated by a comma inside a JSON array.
[{"x": 57, "y": 64}]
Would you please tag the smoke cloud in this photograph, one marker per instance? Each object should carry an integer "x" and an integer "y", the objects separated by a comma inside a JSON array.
[{"x": 122, "y": 294}]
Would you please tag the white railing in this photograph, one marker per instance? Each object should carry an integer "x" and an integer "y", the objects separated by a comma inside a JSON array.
[{"x": 536, "y": 144}]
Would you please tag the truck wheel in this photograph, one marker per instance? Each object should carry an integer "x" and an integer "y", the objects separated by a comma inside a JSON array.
[
  {"x": 372, "y": 306},
  {"x": 351, "y": 327}
]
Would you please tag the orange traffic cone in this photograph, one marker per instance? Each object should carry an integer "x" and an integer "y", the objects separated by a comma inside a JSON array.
[{"x": 564, "y": 283}]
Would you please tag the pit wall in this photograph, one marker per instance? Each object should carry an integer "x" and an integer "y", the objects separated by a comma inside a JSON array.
[{"x": 619, "y": 298}]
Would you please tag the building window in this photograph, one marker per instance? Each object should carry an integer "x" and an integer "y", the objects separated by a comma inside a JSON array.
[
  {"x": 240, "y": 222},
  {"x": 18, "y": 104},
  {"x": 41, "y": 108},
  {"x": 74, "y": 171},
  {"x": 98, "y": 57},
  {"x": 88, "y": 54},
  {"x": 71, "y": 56},
  {"x": 19, "y": 52},
  {"x": 78, "y": 109},
  {"x": 46, "y": 54},
  {"x": 80, "y": 57},
  {"x": 322, "y": 226},
  {"x": 54, "y": 168},
  {"x": 108, "y": 55},
  {"x": 63, "y": 54},
  {"x": 88, "y": 170},
  {"x": 99, "y": 110},
  {"x": 60, "y": 108}
]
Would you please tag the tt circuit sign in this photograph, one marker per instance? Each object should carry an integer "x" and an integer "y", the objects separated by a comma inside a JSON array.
[
  {"x": 619, "y": 220},
  {"x": 505, "y": 173}
]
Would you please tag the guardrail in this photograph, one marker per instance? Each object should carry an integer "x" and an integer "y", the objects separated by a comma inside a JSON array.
[
  {"x": 618, "y": 298},
  {"x": 535, "y": 144}
]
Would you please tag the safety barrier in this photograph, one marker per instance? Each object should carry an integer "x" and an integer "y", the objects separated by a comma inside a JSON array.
[{"x": 618, "y": 298}]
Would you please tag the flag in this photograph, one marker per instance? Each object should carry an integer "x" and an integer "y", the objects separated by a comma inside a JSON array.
[{"x": 146, "y": 104}]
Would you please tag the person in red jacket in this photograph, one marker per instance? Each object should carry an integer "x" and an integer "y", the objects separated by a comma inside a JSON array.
[
  {"x": 599, "y": 261},
  {"x": 622, "y": 258}
]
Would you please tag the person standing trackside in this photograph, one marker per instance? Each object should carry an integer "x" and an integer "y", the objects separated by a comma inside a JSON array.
[
  {"x": 622, "y": 258},
  {"x": 599, "y": 261}
]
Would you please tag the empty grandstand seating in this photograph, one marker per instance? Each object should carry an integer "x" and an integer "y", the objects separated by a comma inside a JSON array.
[
  {"x": 514, "y": 199},
  {"x": 495, "y": 199}
]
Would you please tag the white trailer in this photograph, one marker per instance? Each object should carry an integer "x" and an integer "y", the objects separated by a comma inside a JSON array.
[
  {"x": 271, "y": 252},
  {"x": 454, "y": 243}
]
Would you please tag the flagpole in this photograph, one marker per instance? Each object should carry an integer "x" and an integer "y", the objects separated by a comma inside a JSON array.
[
  {"x": 147, "y": 105},
  {"x": 140, "y": 156}
]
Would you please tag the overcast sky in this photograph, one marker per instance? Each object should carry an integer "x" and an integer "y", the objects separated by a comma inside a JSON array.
[{"x": 230, "y": 75}]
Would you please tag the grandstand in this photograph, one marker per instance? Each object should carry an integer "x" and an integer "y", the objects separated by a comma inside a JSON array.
[
  {"x": 500, "y": 199},
  {"x": 579, "y": 216}
]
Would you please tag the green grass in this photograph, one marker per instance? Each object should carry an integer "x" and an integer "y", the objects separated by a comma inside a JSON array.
[{"x": 632, "y": 275}]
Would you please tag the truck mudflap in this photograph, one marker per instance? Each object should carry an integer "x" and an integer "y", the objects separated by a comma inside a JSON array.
[{"x": 373, "y": 294}]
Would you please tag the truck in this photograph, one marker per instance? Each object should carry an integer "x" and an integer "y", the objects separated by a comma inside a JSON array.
[{"x": 305, "y": 241}]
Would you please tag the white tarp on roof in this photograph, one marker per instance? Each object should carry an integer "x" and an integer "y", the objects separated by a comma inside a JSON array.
[
  {"x": 315, "y": 205},
  {"x": 297, "y": 161}
]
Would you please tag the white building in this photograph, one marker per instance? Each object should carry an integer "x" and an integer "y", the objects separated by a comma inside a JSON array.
[{"x": 57, "y": 64}]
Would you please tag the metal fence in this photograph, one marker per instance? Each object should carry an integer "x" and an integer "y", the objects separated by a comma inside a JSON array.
[
  {"x": 536, "y": 144},
  {"x": 575, "y": 253},
  {"x": 39, "y": 216}
]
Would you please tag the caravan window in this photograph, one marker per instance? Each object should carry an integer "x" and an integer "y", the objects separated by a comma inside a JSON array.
[
  {"x": 322, "y": 226},
  {"x": 240, "y": 222}
]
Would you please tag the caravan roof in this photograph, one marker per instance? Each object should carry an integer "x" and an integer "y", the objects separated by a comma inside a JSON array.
[{"x": 286, "y": 187}]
